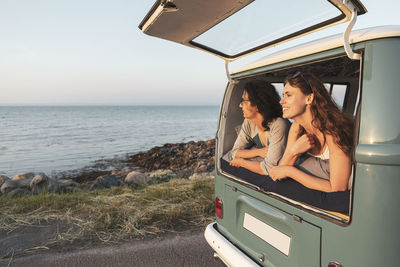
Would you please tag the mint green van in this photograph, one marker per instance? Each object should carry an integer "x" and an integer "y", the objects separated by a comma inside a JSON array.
[{"x": 255, "y": 227}]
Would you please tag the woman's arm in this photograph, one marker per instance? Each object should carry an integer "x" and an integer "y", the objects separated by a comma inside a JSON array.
[
  {"x": 339, "y": 166},
  {"x": 291, "y": 152}
]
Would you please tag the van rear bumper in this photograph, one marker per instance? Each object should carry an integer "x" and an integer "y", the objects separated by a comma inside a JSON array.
[{"x": 225, "y": 250}]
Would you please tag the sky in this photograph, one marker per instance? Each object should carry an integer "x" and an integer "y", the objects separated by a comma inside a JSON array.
[{"x": 74, "y": 52}]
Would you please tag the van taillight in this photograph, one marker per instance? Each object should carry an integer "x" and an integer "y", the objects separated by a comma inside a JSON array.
[
  {"x": 218, "y": 207},
  {"x": 334, "y": 264}
]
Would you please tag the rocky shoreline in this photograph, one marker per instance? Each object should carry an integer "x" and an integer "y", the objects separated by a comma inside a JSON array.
[{"x": 160, "y": 164}]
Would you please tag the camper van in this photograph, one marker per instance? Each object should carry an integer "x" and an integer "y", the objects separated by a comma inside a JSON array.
[{"x": 360, "y": 69}]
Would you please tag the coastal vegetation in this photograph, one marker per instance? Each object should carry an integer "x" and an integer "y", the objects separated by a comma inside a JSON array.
[
  {"x": 114, "y": 214},
  {"x": 144, "y": 196}
]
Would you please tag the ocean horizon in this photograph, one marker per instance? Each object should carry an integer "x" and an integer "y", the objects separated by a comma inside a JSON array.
[{"x": 57, "y": 138}]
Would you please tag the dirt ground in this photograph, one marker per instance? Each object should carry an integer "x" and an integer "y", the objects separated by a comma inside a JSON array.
[{"x": 43, "y": 239}]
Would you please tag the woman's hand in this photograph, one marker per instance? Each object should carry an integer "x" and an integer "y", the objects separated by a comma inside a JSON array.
[
  {"x": 236, "y": 162},
  {"x": 278, "y": 173},
  {"x": 303, "y": 144}
]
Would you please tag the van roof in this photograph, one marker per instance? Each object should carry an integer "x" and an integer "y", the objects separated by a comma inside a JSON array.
[{"x": 322, "y": 44}]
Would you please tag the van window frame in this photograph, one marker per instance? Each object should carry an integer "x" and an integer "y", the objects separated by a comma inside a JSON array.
[{"x": 326, "y": 215}]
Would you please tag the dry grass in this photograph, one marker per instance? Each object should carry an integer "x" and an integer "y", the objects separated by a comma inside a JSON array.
[{"x": 114, "y": 214}]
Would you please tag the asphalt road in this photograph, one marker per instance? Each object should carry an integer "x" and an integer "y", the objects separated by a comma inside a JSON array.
[{"x": 188, "y": 250}]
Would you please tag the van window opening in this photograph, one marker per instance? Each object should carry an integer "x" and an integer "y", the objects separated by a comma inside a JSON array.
[{"x": 341, "y": 78}]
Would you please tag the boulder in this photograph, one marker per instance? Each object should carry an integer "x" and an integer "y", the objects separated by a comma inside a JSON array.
[
  {"x": 40, "y": 183},
  {"x": 95, "y": 185},
  {"x": 67, "y": 185},
  {"x": 67, "y": 182},
  {"x": 108, "y": 180},
  {"x": 105, "y": 181},
  {"x": 136, "y": 178},
  {"x": 3, "y": 178},
  {"x": 24, "y": 176},
  {"x": 202, "y": 168},
  {"x": 10, "y": 185}
]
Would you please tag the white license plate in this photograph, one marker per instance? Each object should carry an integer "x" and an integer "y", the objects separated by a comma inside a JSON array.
[{"x": 275, "y": 238}]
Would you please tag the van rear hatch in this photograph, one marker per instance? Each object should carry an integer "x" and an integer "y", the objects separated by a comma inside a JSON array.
[
  {"x": 268, "y": 235},
  {"x": 231, "y": 29}
]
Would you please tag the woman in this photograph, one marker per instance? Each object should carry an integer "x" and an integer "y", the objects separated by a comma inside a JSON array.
[
  {"x": 263, "y": 135},
  {"x": 320, "y": 138}
]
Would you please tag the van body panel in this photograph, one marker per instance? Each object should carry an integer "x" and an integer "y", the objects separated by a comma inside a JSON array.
[
  {"x": 305, "y": 236},
  {"x": 386, "y": 154},
  {"x": 372, "y": 238},
  {"x": 380, "y": 110}
]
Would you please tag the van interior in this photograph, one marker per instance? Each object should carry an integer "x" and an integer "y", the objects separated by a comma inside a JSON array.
[{"x": 341, "y": 77}]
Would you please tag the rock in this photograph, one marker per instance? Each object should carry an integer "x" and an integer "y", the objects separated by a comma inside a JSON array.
[
  {"x": 41, "y": 183},
  {"x": 105, "y": 181},
  {"x": 10, "y": 185},
  {"x": 3, "y": 178},
  {"x": 23, "y": 176},
  {"x": 139, "y": 169},
  {"x": 95, "y": 186},
  {"x": 176, "y": 157},
  {"x": 120, "y": 175},
  {"x": 108, "y": 180},
  {"x": 67, "y": 183},
  {"x": 201, "y": 168},
  {"x": 162, "y": 176},
  {"x": 136, "y": 178}
]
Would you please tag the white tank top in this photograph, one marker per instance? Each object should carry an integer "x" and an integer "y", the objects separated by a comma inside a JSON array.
[{"x": 323, "y": 156}]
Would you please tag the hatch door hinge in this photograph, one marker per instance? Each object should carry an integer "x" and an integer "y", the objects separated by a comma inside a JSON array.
[
  {"x": 230, "y": 80},
  {"x": 346, "y": 36}
]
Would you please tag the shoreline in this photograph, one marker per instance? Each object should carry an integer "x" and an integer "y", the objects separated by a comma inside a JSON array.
[
  {"x": 181, "y": 160},
  {"x": 184, "y": 159}
]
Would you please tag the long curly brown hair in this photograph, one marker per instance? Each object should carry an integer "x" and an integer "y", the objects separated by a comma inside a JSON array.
[{"x": 327, "y": 117}]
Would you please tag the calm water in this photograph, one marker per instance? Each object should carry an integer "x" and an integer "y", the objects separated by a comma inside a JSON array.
[{"x": 50, "y": 139}]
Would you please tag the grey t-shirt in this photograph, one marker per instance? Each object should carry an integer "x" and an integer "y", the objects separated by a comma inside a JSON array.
[{"x": 276, "y": 141}]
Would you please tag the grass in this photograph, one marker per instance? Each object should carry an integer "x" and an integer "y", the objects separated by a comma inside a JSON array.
[{"x": 115, "y": 214}]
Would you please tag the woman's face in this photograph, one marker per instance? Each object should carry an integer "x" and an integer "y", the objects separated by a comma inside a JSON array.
[
  {"x": 249, "y": 111},
  {"x": 294, "y": 102}
]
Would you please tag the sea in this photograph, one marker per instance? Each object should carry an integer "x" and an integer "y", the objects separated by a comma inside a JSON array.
[{"x": 54, "y": 139}]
